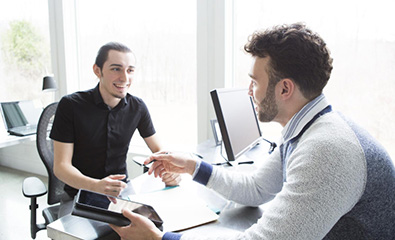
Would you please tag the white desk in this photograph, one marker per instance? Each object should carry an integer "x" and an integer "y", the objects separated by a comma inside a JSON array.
[
  {"x": 13, "y": 140},
  {"x": 233, "y": 217}
]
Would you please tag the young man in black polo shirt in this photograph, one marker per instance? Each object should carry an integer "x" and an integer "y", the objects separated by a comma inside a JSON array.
[{"x": 92, "y": 129}]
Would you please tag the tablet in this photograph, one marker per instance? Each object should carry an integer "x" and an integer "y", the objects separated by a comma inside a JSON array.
[{"x": 108, "y": 209}]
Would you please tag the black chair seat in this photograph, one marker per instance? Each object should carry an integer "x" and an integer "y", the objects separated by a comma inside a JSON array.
[{"x": 50, "y": 214}]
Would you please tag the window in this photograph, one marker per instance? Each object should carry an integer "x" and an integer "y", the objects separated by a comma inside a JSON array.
[
  {"x": 162, "y": 35},
  {"x": 361, "y": 38},
  {"x": 24, "y": 51}
]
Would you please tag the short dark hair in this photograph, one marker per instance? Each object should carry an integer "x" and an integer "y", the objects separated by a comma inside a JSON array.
[
  {"x": 295, "y": 52},
  {"x": 102, "y": 54}
]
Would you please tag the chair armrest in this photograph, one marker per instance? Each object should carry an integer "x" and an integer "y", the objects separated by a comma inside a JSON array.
[{"x": 33, "y": 187}]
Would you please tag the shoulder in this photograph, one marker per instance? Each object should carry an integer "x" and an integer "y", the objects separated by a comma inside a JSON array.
[
  {"x": 329, "y": 156},
  {"x": 331, "y": 149},
  {"x": 136, "y": 103},
  {"x": 331, "y": 130},
  {"x": 76, "y": 99},
  {"x": 331, "y": 143},
  {"x": 134, "y": 99}
]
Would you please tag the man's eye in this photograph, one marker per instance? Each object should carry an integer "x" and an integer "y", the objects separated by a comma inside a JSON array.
[{"x": 116, "y": 69}]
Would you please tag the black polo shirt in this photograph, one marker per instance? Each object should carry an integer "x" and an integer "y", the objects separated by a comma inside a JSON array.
[{"x": 101, "y": 135}]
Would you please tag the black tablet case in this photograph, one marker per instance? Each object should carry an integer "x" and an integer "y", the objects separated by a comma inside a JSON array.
[
  {"x": 104, "y": 217},
  {"x": 99, "y": 216}
]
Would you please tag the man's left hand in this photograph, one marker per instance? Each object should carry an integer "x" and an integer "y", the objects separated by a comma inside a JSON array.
[
  {"x": 140, "y": 228},
  {"x": 171, "y": 179}
]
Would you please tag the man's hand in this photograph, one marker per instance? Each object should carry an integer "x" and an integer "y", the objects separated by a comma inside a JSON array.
[
  {"x": 140, "y": 228},
  {"x": 165, "y": 163},
  {"x": 111, "y": 185},
  {"x": 171, "y": 179}
]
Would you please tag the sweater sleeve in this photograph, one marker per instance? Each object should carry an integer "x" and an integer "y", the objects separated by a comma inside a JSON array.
[{"x": 251, "y": 189}]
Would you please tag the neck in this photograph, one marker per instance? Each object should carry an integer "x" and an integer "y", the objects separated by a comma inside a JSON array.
[
  {"x": 290, "y": 107},
  {"x": 109, "y": 99}
]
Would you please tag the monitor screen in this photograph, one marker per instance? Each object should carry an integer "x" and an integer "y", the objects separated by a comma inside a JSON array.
[{"x": 237, "y": 120}]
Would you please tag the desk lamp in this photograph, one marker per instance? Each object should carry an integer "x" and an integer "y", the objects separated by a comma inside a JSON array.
[{"x": 49, "y": 84}]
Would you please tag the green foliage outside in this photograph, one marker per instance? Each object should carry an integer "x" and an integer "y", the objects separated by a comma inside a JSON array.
[{"x": 24, "y": 48}]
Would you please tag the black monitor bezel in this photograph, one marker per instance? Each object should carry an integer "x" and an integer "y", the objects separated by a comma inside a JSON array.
[{"x": 231, "y": 156}]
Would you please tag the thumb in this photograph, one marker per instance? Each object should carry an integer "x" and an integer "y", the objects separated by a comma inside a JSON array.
[
  {"x": 133, "y": 217},
  {"x": 154, "y": 156},
  {"x": 117, "y": 176}
]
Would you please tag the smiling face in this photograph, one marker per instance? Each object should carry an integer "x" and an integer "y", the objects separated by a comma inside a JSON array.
[
  {"x": 116, "y": 76},
  {"x": 263, "y": 91}
]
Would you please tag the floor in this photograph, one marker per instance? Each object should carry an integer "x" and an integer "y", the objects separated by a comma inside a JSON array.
[{"x": 14, "y": 207}]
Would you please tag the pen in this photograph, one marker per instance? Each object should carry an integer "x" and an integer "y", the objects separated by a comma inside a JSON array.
[
  {"x": 198, "y": 155},
  {"x": 146, "y": 165},
  {"x": 247, "y": 162}
]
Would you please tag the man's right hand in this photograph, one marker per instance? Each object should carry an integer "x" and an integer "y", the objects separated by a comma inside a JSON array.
[
  {"x": 110, "y": 185},
  {"x": 166, "y": 162}
]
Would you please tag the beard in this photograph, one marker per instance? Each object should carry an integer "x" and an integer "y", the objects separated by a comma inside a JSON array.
[{"x": 268, "y": 108}]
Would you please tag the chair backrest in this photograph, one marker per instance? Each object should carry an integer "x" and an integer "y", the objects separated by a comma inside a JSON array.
[{"x": 45, "y": 150}]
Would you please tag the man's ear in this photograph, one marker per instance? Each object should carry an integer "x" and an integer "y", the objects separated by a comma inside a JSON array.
[
  {"x": 287, "y": 88},
  {"x": 97, "y": 70}
]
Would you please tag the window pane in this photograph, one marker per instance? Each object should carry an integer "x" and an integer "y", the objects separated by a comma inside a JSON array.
[
  {"x": 162, "y": 34},
  {"x": 24, "y": 50},
  {"x": 361, "y": 38}
]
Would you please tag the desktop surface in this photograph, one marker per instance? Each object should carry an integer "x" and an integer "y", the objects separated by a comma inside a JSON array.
[{"x": 232, "y": 217}]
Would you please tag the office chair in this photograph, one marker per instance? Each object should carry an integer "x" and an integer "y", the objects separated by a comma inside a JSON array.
[{"x": 32, "y": 186}]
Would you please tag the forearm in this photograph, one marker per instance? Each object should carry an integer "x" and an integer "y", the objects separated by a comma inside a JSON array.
[
  {"x": 153, "y": 143},
  {"x": 73, "y": 177},
  {"x": 248, "y": 189}
]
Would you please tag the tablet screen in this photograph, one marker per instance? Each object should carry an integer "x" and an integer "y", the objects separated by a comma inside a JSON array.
[{"x": 106, "y": 203}]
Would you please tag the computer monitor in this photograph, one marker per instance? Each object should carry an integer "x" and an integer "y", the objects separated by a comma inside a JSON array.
[{"x": 237, "y": 120}]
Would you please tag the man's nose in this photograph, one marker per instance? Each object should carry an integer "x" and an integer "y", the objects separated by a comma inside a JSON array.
[
  {"x": 124, "y": 76},
  {"x": 250, "y": 90}
]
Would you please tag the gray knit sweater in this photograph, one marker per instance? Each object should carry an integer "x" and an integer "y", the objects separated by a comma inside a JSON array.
[{"x": 337, "y": 182}]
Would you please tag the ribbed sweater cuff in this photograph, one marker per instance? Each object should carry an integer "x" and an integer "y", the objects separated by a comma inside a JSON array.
[
  {"x": 204, "y": 173},
  {"x": 171, "y": 236}
]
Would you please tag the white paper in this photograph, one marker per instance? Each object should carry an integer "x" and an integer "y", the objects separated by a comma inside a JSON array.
[{"x": 178, "y": 207}]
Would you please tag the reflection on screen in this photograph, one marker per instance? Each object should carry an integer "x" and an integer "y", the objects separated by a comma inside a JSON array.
[
  {"x": 237, "y": 120},
  {"x": 113, "y": 204}
]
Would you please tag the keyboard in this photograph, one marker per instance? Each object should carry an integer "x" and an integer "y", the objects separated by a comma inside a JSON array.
[{"x": 23, "y": 130}]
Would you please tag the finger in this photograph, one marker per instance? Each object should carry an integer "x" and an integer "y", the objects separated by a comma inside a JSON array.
[
  {"x": 168, "y": 177},
  {"x": 115, "y": 228},
  {"x": 112, "y": 192},
  {"x": 172, "y": 183},
  {"x": 162, "y": 172},
  {"x": 155, "y": 168},
  {"x": 133, "y": 217},
  {"x": 113, "y": 200},
  {"x": 122, "y": 185},
  {"x": 172, "y": 180},
  {"x": 160, "y": 156},
  {"x": 115, "y": 183},
  {"x": 149, "y": 159},
  {"x": 115, "y": 188},
  {"x": 117, "y": 176}
]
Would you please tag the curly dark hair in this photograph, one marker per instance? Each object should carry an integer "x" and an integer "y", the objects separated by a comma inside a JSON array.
[{"x": 295, "y": 52}]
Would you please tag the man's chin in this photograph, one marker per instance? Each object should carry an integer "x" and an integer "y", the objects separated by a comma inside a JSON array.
[
  {"x": 262, "y": 117},
  {"x": 119, "y": 95}
]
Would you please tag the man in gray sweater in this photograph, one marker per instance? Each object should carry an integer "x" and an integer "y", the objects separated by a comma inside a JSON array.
[{"x": 329, "y": 179}]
